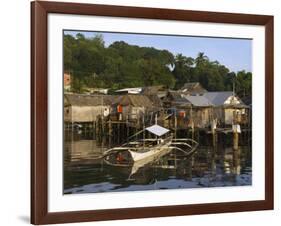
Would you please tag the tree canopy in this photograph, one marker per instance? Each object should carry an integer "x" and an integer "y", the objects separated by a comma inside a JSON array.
[{"x": 121, "y": 65}]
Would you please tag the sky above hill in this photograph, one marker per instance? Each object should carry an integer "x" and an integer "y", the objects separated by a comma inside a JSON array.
[{"x": 236, "y": 54}]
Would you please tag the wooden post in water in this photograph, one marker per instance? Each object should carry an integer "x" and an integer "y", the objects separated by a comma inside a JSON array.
[
  {"x": 94, "y": 130},
  {"x": 102, "y": 126},
  {"x": 192, "y": 123},
  {"x": 214, "y": 134},
  {"x": 235, "y": 140},
  {"x": 127, "y": 127},
  {"x": 176, "y": 124},
  {"x": 214, "y": 139},
  {"x": 97, "y": 129},
  {"x": 83, "y": 129},
  {"x": 249, "y": 133},
  {"x": 192, "y": 130},
  {"x": 236, "y": 131},
  {"x": 143, "y": 133},
  {"x": 72, "y": 131},
  {"x": 118, "y": 132},
  {"x": 109, "y": 132},
  {"x": 136, "y": 129}
]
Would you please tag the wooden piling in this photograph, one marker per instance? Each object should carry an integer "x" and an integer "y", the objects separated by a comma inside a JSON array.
[
  {"x": 127, "y": 127},
  {"x": 214, "y": 133},
  {"x": 109, "y": 133},
  {"x": 236, "y": 131},
  {"x": 176, "y": 125},
  {"x": 118, "y": 133},
  {"x": 214, "y": 136},
  {"x": 235, "y": 140},
  {"x": 192, "y": 130}
]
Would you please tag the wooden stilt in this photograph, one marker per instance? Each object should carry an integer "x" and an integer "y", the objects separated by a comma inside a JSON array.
[
  {"x": 109, "y": 132},
  {"x": 235, "y": 140},
  {"x": 118, "y": 133},
  {"x": 236, "y": 130},
  {"x": 214, "y": 133}
]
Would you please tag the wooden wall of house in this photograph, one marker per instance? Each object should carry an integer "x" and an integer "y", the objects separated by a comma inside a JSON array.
[
  {"x": 137, "y": 112},
  {"x": 83, "y": 113},
  {"x": 233, "y": 115},
  {"x": 226, "y": 116},
  {"x": 218, "y": 114},
  {"x": 67, "y": 114},
  {"x": 202, "y": 116},
  {"x": 229, "y": 116},
  {"x": 133, "y": 113}
]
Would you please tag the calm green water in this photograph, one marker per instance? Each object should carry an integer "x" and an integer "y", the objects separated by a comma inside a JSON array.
[{"x": 84, "y": 173}]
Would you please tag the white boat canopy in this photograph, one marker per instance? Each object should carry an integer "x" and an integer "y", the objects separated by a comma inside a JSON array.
[{"x": 157, "y": 130}]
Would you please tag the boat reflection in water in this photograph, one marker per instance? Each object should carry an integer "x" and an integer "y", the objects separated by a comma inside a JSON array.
[
  {"x": 150, "y": 161},
  {"x": 141, "y": 152},
  {"x": 85, "y": 172}
]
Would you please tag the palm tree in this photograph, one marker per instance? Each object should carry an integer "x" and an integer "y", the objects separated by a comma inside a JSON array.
[
  {"x": 201, "y": 58},
  {"x": 182, "y": 61}
]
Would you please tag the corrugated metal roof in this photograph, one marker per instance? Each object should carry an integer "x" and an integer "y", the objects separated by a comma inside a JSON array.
[
  {"x": 157, "y": 130},
  {"x": 201, "y": 100},
  {"x": 247, "y": 100},
  {"x": 218, "y": 98},
  {"x": 198, "y": 101},
  {"x": 134, "y": 90},
  {"x": 209, "y": 98}
]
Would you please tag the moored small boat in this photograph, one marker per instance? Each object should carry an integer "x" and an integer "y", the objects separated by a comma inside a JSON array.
[{"x": 140, "y": 150}]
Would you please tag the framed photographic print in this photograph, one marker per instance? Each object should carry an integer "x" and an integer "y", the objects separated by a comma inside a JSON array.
[{"x": 146, "y": 112}]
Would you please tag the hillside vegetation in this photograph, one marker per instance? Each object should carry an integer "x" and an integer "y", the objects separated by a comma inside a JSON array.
[{"x": 121, "y": 65}]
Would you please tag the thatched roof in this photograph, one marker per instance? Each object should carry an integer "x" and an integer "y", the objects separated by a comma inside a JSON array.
[
  {"x": 193, "y": 88},
  {"x": 151, "y": 90},
  {"x": 134, "y": 100},
  {"x": 155, "y": 100},
  {"x": 175, "y": 98},
  {"x": 88, "y": 100}
]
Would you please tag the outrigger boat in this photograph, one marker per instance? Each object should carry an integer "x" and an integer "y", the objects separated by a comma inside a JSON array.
[{"x": 143, "y": 151}]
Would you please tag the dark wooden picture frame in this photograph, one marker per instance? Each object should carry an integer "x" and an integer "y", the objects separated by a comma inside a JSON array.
[{"x": 39, "y": 112}]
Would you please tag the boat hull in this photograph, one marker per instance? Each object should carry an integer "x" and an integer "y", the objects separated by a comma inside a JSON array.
[{"x": 155, "y": 151}]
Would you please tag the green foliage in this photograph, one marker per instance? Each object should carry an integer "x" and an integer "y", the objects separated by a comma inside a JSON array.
[
  {"x": 243, "y": 83},
  {"x": 211, "y": 74},
  {"x": 121, "y": 65}
]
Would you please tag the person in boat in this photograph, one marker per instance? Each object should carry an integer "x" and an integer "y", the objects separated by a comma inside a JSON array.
[{"x": 120, "y": 158}]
